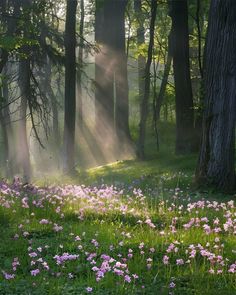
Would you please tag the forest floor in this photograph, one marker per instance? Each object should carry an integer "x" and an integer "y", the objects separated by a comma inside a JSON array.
[{"x": 129, "y": 227}]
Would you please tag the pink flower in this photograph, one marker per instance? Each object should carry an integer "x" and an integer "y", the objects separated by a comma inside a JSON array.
[
  {"x": 172, "y": 285},
  {"x": 89, "y": 289},
  {"x": 165, "y": 259},
  {"x": 33, "y": 254},
  {"x": 127, "y": 279},
  {"x": 57, "y": 228},
  {"x": 8, "y": 276},
  {"x": 179, "y": 261},
  {"x": 35, "y": 272},
  {"x": 43, "y": 221}
]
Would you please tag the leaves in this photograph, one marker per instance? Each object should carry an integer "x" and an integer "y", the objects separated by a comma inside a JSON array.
[{"x": 14, "y": 43}]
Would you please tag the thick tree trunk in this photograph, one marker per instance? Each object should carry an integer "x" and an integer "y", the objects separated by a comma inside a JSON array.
[
  {"x": 70, "y": 84},
  {"x": 183, "y": 88},
  {"x": 216, "y": 165},
  {"x": 5, "y": 142},
  {"x": 111, "y": 79},
  {"x": 144, "y": 102},
  {"x": 9, "y": 152},
  {"x": 104, "y": 77},
  {"x": 121, "y": 76}
]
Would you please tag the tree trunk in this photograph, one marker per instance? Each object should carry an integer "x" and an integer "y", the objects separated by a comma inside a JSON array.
[
  {"x": 141, "y": 42},
  {"x": 104, "y": 77},
  {"x": 216, "y": 160},
  {"x": 5, "y": 143},
  {"x": 164, "y": 82},
  {"x": 9, "y": 150},
  {"x": 121, "y": 77},
  {"x": 23, "y": 149},
  {"x": 70, "y": 84},
  {"x": 144, "y": 102},
  {"x": 54, "y": 103},
  {"x": 79, "y": 72},
  {"x": 183, "y": 87}
]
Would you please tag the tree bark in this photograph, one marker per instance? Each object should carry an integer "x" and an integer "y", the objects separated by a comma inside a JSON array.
[
  {"x": 121, "y": 76},
  {"x": 79, "y": 72},
  {"x": 164, "y": 81},
  {"x": 140, "y": 42},
  {"x": 144, "y": 102},
  {"x": 5, "y": 119},
  {"x": 216, "y": 159},
  {"x": 70, "y": 84},
  {"x": 183, "y": 87},
  {"x": 104, "y": 78},
  {"x": 24, "y": 84},
  {"x": 54, "y": 103}
]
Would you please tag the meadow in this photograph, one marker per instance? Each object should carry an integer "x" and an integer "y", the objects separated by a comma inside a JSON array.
[{"x": 125, "y": 228}]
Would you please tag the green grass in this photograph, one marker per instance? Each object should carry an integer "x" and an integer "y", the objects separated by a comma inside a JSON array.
[{"x": 120, "y": 222}]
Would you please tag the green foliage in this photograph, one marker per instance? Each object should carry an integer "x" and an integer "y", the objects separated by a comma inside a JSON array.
[{"x": 14, "y": 43}]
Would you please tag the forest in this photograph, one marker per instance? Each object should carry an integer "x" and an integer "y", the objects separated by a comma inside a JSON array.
[{"x": 117, "y": 147}]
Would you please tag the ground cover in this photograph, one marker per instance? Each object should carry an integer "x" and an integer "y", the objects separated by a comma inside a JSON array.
[{"x": 134, "y": 235}]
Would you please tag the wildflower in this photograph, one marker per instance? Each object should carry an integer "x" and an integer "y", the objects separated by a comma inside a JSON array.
[
  {"x": 57, "y": 228},
  {"x": 35, "y": 272},
  {"x": 179, "y": 261},
  {"x": 172, "y": 285},
  {"x": 70, "y": 275},
  {"x": 165, "y": 259},
  {"x": 33, "y": 254},
  {"x": 89, "y": 289},
  {"x": 127, "y": 279},
  {"x": 43, "y": 221},
  {"x": 25, "y": 234},
  {"x": 8, "y": 276}
]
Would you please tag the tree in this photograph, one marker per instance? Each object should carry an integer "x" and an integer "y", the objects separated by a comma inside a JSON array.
[
  {"x": 70, "y": 84},
  {"x": 121, "y": 75},
  {"x": 80, "y": 60},
  {"x": 216, "y": 159},
  {"x": 104, "y": 76},
  {"x": 164, "y": 81},
  {"x": 111, "y": 77},
  {"x": 140, "y": 43},
  {"x": 145, "y": 99},
  {"x": 183, "y": 88},
  {"x": 25, "y": 88}
]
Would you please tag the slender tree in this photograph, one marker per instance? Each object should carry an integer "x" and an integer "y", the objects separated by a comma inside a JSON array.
[
  {"x": 53, "y": 102},
  {"x": 25, "y": 88},
  {"x": 164, "y": 81},
  {"x": 80, "y": 60},
  {"x": 216, "y": 159},
  {"x": 140, "y": 43},
  {"x": 183, "y": 89},
  {"x": 70, "y": 87},
  {"x": 145, "y": 99}
]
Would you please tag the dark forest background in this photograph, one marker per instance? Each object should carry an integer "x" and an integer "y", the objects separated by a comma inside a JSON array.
[{"x": 85, "y": 83}]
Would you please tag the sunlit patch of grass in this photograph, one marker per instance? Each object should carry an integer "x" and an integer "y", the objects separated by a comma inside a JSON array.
[{"x": 134, "y": 229}]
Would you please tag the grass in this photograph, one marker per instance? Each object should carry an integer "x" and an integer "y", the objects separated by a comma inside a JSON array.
[{"x": 137, "y": 228}]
